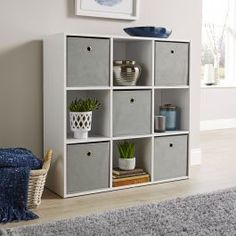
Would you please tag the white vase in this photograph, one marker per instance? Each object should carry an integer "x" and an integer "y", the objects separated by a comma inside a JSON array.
[
  {"x": 80, "y": 124},
  {"x": 127, "y": 164},
  {"x": 217, "y": 67},
  {"x": 209, "y": 74}
]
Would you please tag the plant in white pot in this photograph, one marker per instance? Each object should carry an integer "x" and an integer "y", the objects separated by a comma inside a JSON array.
[
  {"x": 127, "y": 158},
  {"x": 81, "y": 116}
]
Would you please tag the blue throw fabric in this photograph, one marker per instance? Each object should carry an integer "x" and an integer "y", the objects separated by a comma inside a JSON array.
[
  {"x": 15, "y": 166},
  {"x": 19, "y": 157}
]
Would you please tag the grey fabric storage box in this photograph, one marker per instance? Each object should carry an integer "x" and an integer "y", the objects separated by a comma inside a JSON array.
[
  {"x": 87, "y": 167},
  {"x": 171, "y": 63},
  {"x": 170, "y": 157},
  {"x": 131, "y": 112},
  {"x": 88, "y": 61}
]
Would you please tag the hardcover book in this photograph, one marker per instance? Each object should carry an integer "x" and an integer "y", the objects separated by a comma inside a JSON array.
[
  {"x": 131, "y": 180},
  {"x": 119, "y": 172}
]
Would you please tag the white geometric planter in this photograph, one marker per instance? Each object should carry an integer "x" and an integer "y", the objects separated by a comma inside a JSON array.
[
  {"x": 80, "y": 124},
  {"x": 127, "y": 164}
]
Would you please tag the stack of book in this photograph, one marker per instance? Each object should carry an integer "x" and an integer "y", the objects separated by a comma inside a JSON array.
[{"x": 128, "y": 177}]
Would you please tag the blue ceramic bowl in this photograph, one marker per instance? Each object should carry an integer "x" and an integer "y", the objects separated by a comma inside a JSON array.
[{"x": 149, "y": 31}]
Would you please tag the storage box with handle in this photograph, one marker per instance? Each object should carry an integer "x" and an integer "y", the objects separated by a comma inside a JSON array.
[{"x": 37, "y": 182}]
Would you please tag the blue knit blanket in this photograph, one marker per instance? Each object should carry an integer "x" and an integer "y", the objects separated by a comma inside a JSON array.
[{"x": 15, "y": 166}]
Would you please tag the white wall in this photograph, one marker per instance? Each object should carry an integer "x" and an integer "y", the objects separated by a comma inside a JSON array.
[
  {"x": 24, "y": 23},
  {"x": 218, "y": 108}
]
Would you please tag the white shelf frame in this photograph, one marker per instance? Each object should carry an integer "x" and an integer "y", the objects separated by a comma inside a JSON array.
[
  {"x": 172, "y": 87},
  {"x": 127, "y": 187},
  {"x": 171, "y": 133},
  {"x": 131, "y": 87},
  {"x": 88, "y": 88},
  {"x": 60, "y": 146},
  {"x": 89, "y": 140}
]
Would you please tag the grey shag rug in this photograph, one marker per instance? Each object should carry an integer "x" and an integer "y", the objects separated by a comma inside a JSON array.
[{"x": 205, "y": 214}]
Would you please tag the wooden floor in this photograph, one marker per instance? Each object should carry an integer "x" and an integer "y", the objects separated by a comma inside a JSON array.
[{"x": 218, "y": 171}]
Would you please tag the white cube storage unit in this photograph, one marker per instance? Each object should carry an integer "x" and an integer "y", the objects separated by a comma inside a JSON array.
[{"x": 81, "y": 66}]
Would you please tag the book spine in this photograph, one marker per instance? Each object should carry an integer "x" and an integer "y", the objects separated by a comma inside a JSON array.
[
  {"x": 121, "y": 182},
  {"x": 128, "y": 175},
  {"x": 123, "y": 172}
]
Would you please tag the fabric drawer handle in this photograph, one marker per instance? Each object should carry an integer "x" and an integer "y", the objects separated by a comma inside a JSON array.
[
  {"x": 89, "y": 154},
  {"x": 89, "y": 48},
  {"x": 132, "y": 100}
]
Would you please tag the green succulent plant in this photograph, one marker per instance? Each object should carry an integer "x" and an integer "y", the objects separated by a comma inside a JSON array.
[
  {"x": 126, "y": 150},
  {"x": 80, "y": 105}
]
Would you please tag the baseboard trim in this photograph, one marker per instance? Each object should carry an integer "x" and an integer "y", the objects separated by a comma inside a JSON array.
[
  {"x": 217, "y": 124},
  {"x": 196, "y": 156}
]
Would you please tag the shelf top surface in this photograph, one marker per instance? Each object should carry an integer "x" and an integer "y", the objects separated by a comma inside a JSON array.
[
  {"x": 124, "y": 37},
  {"x": 131, "y": 87},
  {"x": 172, "y": 87},
  {"x": 89, "y": 88},
  {"x": 171, "y": 133},
  {"x": 71, "y": 140},
  {"x": 126, "y": 87}
]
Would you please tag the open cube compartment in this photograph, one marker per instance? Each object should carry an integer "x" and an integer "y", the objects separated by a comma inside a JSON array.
[
  {"x": 100, "y": 118},
  {"x": 177, "y": 97},
  {"x": 143, "y": 153},
  {"x": 139, "y": 51}
]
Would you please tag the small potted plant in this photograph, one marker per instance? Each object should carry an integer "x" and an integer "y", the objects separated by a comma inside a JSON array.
[
  {"x": 81, "y": 116},
  {"x": 127, "y": 155}
]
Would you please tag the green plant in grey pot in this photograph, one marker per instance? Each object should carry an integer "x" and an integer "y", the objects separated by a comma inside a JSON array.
[
  {"x": 127, "y": 158},
  {"x": 81, "y": 116}
]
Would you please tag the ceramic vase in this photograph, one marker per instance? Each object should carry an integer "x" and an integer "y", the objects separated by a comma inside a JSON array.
[
  {"x": 126, "y": 73},
  {"x": 80, "y": 124},
  {"x": 127, "y": 164}
]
